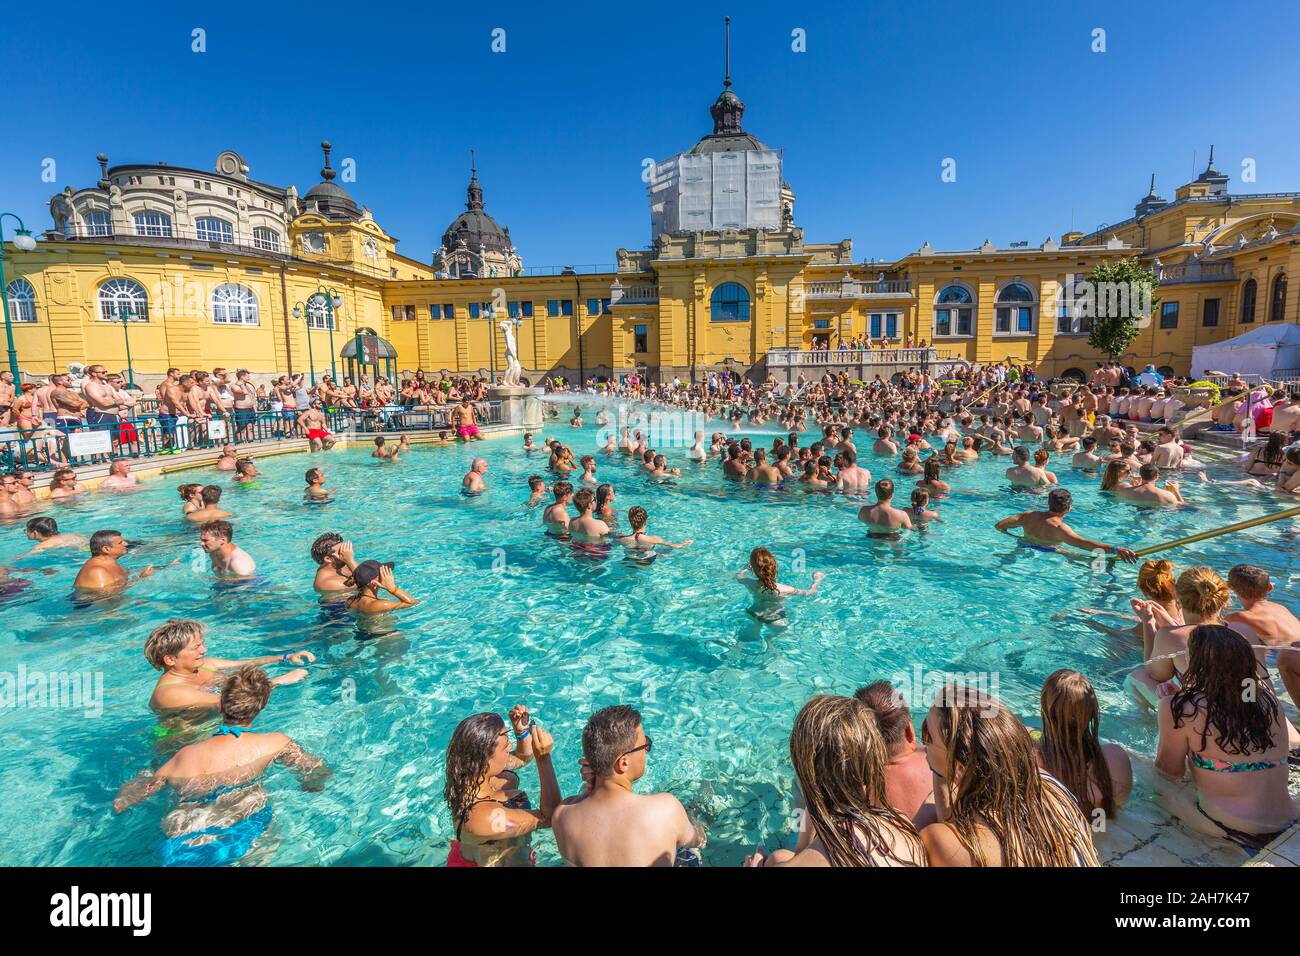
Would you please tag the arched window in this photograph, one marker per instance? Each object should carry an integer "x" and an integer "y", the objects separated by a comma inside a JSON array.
[
  {"x": 22, "y": 301},
  {"x": 730, "y": 303},
  {"x": 234, "y": 305},
  {"x": 1015, "y": 310},
  {"x": 118, "y": 297},
  {"x": 153, "y": 224},
  {"x": 268, "y": 239},
  {"x": 212, "y": 229},
  {"x": 1074, "y": 375},
  {"x": 318, "y": 315},
  {"x": 1277, "y": 301},
  {"x": 97, "y": 223},
  {"x": 954, "y": 312},
  {"x": 1249, "y": 291}
]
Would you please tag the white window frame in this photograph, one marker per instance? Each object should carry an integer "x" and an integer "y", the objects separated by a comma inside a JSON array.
[
  {"x": 22, "y": 301},
  {"x": 953, "y": 308},
  {"x": 113, "y": 293},
  {"x": 318, "y": 314},
  {"x": 234, "y": 304},
  {"x": 266, "y": 239},
  {"x": 224, "y": 231},
  {"x": 152, "y": 222},
  {"x": 97, "y": 222},
  {"x": 1013, "y": 320}
]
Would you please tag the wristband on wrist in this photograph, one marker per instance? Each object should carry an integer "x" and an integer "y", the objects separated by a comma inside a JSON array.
[
  {"x": 524, "y": 734},
  {"x": 284, "y": 658}
]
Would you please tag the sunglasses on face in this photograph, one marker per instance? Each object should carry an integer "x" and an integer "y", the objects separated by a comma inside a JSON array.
[{"x": 645, "y": 746}]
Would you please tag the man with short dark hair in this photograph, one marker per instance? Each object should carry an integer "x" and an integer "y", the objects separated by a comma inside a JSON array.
[
  {"x": 1044, "y": 530},
  {"x": 210, "y": 495},
  {"x": 229, "y": 560},
  {"x": 45, "y": 532},
  {"x": 1145, "y": 492},
  {"x": 909, "y": 783},
  {"x": 101, "y": 572},
  {"x": 610, "y": 825}
]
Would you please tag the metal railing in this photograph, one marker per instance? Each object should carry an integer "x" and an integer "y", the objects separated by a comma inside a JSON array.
[
  {"x": 858, "y": 289},
  {"x": 50, "y": 446}
]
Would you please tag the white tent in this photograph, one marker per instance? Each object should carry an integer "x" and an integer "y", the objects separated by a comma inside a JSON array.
[{"x": 1263, "y": 351}]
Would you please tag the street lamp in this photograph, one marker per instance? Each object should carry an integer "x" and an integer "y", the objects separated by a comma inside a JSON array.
[
  {"x": 124, "y": 315},
  {"x": 332, "y": 301},
  {"x": 23, "y": 242},
  {"x": 311, "y": 364}
]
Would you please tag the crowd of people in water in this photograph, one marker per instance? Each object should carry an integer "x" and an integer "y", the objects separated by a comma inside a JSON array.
[{"x": 974, "y": 786}]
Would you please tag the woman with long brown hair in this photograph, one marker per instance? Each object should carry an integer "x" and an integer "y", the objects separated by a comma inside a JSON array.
[
  {"x": 769, "y": 595},
  {"x": 1226, "y": 723},
  {"x": 993, "y": 804},
  {"x": 1117, "y": 471},
  {"x": 1099, "y": 775},
  {"x": 840, "y": 758},
  {"x": 491, "y": 815}
]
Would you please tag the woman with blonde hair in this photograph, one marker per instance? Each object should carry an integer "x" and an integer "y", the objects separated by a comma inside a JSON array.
[
  {"x": 993, "y": 804},
  {"x": 1203, "y": 596},
  {"x": 1117, "y": 471},
  {"x": 1099, "y": 775},
  {"x": 840, "y": 758}
]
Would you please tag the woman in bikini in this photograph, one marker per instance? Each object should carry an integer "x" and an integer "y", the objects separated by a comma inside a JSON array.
[
  {"x": 1099, "y": 775},
  {"x": 1202, "y": 596},
  {"x": 1234, "y": 743},
  {"x": 993, "y": 804},
  {"x": 1265, "y": 461},
  {"x": 492, "y": 817}
]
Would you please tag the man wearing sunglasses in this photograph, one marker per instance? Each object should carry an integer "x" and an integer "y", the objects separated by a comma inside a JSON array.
[{"x": 610, "y": 825}]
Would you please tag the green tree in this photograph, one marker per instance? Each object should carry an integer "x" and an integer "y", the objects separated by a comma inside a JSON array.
[{"x": 1120, "y": 299}]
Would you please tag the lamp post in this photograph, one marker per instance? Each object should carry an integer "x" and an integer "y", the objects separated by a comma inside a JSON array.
[
  {"x": 298, "y": 312},
  {"x": 332, "y": 301},
  {"x": 23, "y": 242},
  {"x": 124, "y": 314}
]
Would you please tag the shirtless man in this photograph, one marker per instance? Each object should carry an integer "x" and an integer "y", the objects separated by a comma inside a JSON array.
[
  {"x": 229, "y": 458},
  {"x": 61, "y": 403},
  {"x": 1046, "y": 529},
  {"x": 229, "y": 560},
  {"x": 335, "y": 563},
  {"x": 190, "y": 679},
  {"x": 103, "y": 410},
  {"x": 1086, "y": 457},
  {"x": 762, "y": 472},
  {"x": 210, "y": 495},
  {"x": 882, "y": 519},
  {"x": 885, "y": 444},
  {"x": 1023, "y": 474},
  {"x": 733, "y": 467},
  {"x": 1169, "y": 451},
  {"x": 316, "y": 490},
  {"x": 608, "y": 824},
  {"x": 556, "y": 516},
  {"x": 120, "y": 477},
  {"x": 909, "y": 783},
  {"x": 697, "y": 452},
  {"x": 472, "y": 483},
  {"x": 465, "y": 422},
  {"x": 45, "y": 532},
  {"x": 101, "y": 572},
  {"x": 536, "y": 488},
  {"x": 244, "y": 399},
  {"x": 1272, "y": 623},
  {"x": 232, "y": 757},
  {"x": 586, "y": 526},
  {"x": 382, "y": 451},
  {"x": 1145, "y": 492},
  {"x": 852, "y": 479},
  {"x": 312, "y": 424}
]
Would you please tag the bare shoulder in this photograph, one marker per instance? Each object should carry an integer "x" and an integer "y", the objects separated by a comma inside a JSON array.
[{"x": 942, "y": 845}]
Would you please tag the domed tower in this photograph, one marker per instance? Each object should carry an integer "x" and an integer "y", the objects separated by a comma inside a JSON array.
[
  {"x": 474, "y": 246},
  {"x": 327, "y": 198}
]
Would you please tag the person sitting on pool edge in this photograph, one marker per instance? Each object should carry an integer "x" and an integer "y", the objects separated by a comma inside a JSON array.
[
  {"x": 209, "y": 496},
  {"x": 1046, "y": 529},
  {"x": 229, "y": 560},
  {"x": 192, "y": 679},
  {"x": 369, "y": 578},
  {"x": 608, "y": 824},
  {"x": 209, "y": 775},
  {"x": 101, "y": 572},
  {"x": 908, "y": 783},
  {"x": 1099, "y": 775}
]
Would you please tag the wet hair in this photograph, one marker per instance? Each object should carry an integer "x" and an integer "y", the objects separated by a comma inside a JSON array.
[
  {"x": 244, "y": 694},
  {"x": 1247, "y": 580},
  {"x": 562, "y": 489},
  {"x": 1088, "y": 443},
  {"x": 188, "y": 490},
  {"x": 1071, "y": 745},
  {"x": 583, "y": 499},
  {"x": 313, "y": 474},
  {"x": 323, "y": 547},
  {"x": 1156, "y": 580},
  {"x": 469, "y": 753},
  {"x": 920, "y": 498},
  {"x": 379, "y": 441},
  {"x": 100, "y": 540},
  {"x": 536, "y": 481},
  {"x": 223, "y": 529},
  {"x": 1202, "y": 591},
  {"x": 1059, "y": 501},
  {"x": 892, "y": 714},
  {"x": 1148, "y": 472},
  {"x": 1041, "y": 457},
  {"x": 1115, "y": 470},
  {"x": 1220, "y": 662},
  {"x": 243, "y": 464},
  {"x": 850, "y": 458},
  {"x": 211, "y": 494},
  {"x": 932, "y": 471},
  {"x": 763, "y": 565},
  {"x": 840, "y": 756},
  {"x": 637, "y": 517},
  {"x": 43, "y": 527},
  {"x": 610, "y": 733},
  {"x": 885, "y": 489},
  {"x": 169, "y": 639},
  {"x": 604, "y": 492},
  {"x": 1020, "y": 455}
]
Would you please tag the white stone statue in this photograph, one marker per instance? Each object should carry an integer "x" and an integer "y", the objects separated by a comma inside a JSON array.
[{"x": 513, "y": 368}]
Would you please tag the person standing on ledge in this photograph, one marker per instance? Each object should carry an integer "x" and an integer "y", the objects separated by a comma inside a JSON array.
[
  {"x": 1044, "y": 530},
  {"x": 466, "y": 423}
]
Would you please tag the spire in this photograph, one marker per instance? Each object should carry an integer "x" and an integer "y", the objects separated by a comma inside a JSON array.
[
  {"x": 1217, "y": 180},
  {"x": 727, "y": 109},
  {"x": 726, "y": 46},
  {"x": 1152, "y": 191},
  {"x": 1151, "y": 202},
  {"x": 326, "y": 173},
  {"x": 474, "y": 194}
]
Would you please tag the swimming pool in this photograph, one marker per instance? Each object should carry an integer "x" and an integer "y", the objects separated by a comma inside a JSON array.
[{"x": 509, "y": 615}]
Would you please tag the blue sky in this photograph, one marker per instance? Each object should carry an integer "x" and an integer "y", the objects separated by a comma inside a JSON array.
[{"x": 1044, "y": 131}]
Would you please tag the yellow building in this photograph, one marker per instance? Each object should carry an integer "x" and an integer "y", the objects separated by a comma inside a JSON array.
[{"x": 204, "y": 269}]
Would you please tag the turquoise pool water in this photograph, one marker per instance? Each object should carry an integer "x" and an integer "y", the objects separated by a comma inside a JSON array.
[{"x": 509, "y": 616}]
